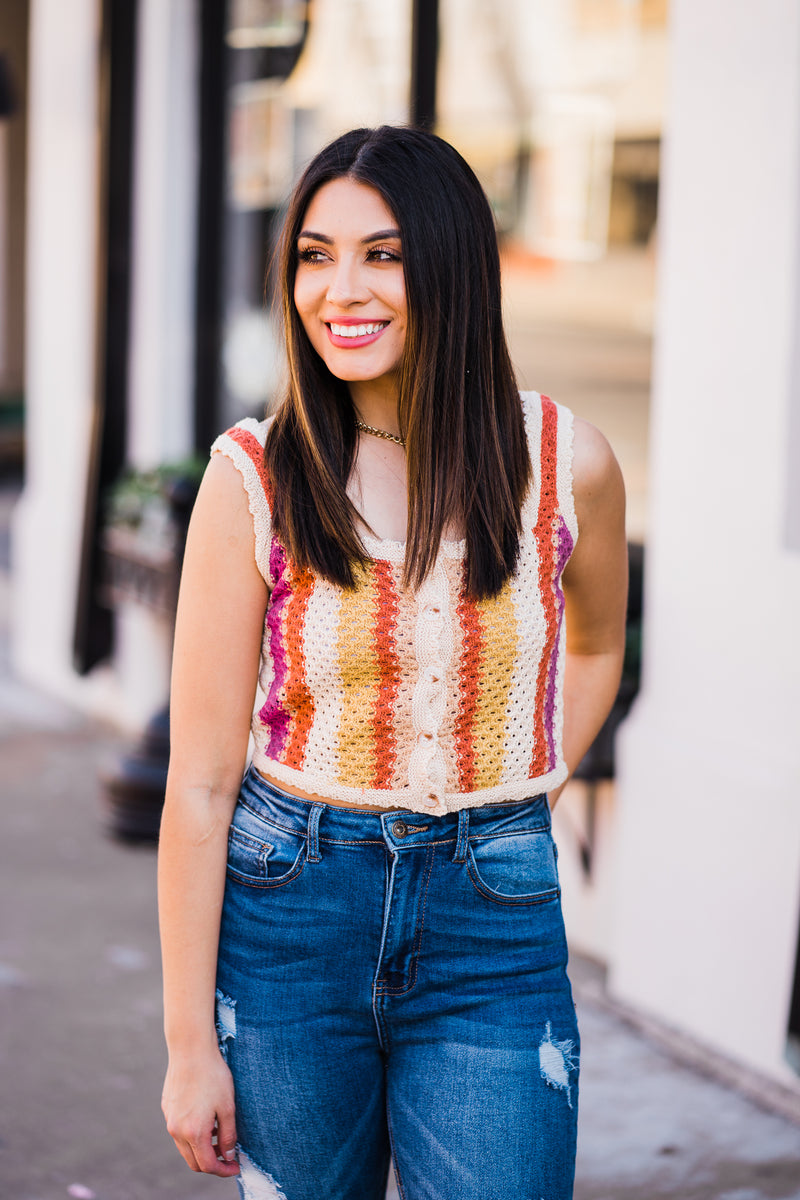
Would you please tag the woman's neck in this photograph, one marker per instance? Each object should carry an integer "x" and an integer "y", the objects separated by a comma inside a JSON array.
[{"x": 376, "y": 406}]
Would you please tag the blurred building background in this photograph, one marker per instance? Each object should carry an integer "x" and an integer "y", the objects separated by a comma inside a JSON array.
[{"x": 146, "y": 148}]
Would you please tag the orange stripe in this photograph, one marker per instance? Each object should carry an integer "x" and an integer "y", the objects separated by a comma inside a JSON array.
[
  {"x": 468, "y": 679},
  {"x": 546, "y": 546},
  {"x": 299, "y": 700},
  {"x": 388, "y": 674},
  {"x": 255, "y": 452}
]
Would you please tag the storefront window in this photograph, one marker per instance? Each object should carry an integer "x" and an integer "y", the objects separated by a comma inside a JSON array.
[{"x": 263, "y": 41}]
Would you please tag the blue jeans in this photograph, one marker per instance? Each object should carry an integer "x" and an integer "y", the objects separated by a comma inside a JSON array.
[{"x": 396, "y": 984}]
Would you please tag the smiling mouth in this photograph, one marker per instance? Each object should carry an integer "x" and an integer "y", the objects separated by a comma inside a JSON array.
[{"x": 356, "y": 331}]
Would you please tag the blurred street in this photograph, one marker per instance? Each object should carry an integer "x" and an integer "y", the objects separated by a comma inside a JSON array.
[
  {"x": 81, "y": 1056},
  {"x": 581, "y": 333}
]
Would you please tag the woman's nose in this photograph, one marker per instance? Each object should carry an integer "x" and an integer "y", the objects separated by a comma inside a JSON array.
[{"x": 345, "y": 285}]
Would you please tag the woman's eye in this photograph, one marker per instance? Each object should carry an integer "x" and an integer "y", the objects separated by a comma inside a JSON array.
[
  {"x": 383, "y": 254},
  {"x": 311, "y": 254}
]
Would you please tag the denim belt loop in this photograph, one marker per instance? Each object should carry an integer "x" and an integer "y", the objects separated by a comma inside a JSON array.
[
  {"x": 463, "y": 834},
  {"x": 312, "y": 852}
]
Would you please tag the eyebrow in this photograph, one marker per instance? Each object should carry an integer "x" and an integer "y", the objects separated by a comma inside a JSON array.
[{"x": 381, "y": 235}]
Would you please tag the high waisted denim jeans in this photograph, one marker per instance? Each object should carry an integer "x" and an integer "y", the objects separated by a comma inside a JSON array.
[{"x": 396, "y": 983}]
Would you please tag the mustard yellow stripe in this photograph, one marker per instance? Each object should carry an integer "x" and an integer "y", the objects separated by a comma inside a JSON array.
[
  {"x": 360, "y": 675},
  {"x": 499, "y": 622}
]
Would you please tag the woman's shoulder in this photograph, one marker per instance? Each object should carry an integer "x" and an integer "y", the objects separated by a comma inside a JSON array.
[
  {"x": 248, "y": 430},
  {"x": 593, "y": 460},
  {"x": 597, "y": 478}
]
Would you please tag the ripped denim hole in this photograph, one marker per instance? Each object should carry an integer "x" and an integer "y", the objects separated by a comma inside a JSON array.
[
  {"x": 256, "y": 1184},
  {"x": 556, "y": 1060},
  {"x": 226, "y": 1022}
]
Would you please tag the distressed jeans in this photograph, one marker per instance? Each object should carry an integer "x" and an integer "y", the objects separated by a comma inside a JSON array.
[{"x": 395, "y": 985}]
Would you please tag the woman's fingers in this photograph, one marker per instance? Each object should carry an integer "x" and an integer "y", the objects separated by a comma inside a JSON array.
[
  {"x": 187, "y": 1154},
  {"x": 200, "y": 1152},
  {"x": 199, "y": 1107},
  {"x": 207, "y": 1154},
  {"x": 201, "y": 1146},
  {"x": 226, "y": 1135}
]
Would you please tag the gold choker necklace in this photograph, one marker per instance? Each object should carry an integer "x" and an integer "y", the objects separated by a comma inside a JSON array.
[{"x": 381, "y": 433}]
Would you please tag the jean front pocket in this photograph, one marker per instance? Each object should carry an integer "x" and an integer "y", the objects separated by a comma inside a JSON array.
[
  {"x": 518, "y": 868},
  {"x": 261, "y": 854}
]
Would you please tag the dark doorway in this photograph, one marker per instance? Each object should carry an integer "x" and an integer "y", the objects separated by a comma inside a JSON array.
[{"x": 94, "y": 633}]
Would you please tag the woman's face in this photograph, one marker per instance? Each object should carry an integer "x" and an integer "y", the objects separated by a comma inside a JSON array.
[{"x": 349, "y": 289}]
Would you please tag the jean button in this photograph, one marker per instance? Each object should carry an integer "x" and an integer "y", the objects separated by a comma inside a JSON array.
[{"x": 399, "y": 829}]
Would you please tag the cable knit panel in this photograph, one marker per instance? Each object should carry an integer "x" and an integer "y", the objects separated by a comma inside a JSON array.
[
  {"x": 426, "y": 700},
  {"x": 433, "y": 643}
]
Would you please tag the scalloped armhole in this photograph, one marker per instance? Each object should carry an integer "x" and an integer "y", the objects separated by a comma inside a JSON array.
[
  {"x": 243, "y": 444},
  {"x": 564, "y": 481},
  {"x": 532, "y": 413}
]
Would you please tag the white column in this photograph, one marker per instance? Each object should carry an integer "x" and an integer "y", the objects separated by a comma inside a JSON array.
[
  {"x": 164, "y": 233},
  {"x": 60, "y": 346},
  {"x": 61, "y": 313},
  {"x": 709, "y": 823},
  {"x": 161, "y": 348}
]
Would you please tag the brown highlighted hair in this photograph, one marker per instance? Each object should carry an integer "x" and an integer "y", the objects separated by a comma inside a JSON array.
[{"x": 459, "y": 406}]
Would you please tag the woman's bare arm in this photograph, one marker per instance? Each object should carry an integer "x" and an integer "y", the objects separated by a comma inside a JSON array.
[
  {"x": 595, "y": 590},
  {"x": 215, "y": 666}
]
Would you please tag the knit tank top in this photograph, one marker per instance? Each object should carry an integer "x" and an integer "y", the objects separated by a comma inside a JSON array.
[{"x": 427, "y": 700}]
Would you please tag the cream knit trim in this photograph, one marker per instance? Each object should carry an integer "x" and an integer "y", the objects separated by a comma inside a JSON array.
[
  {"x": 256, "y": 498},
  {"x": 409, "y": 798},
  {"x": 564, "y": 478}
]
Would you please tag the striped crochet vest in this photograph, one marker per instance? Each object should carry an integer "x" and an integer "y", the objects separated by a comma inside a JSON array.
[{"x": 428, "y": 700}]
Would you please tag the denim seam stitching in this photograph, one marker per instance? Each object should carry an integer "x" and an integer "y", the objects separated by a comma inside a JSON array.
[
  {"x": 483, "y": 837},
  {"x": 406, "y": 844},
  {"x": 462, "y": 837},
  {"x": 331, "y": 841},
  {"x": 238, "y": 836},
  {"x": 390, "y": 1129},
  {"x": 382, "y": 989},
  {"x": 265, "y": 885},
  {"x": 235, "y": 832},
  {"x": 527, "y": 898},
  {"x": 297, "y": 831},
  {"x": 377, "y": 989}
]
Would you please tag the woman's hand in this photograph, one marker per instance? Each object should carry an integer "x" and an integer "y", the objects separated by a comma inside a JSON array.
[{"x": 198, "y": 1106}]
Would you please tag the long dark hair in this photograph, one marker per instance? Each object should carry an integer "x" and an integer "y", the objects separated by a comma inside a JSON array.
[{"x": 459, "y": 407}]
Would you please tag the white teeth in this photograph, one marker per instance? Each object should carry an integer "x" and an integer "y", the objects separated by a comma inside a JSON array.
[{"x": 353, "y": 331}]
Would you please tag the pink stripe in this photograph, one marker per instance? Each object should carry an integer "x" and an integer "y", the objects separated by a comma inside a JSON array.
[{"x": 273, "y": 712}]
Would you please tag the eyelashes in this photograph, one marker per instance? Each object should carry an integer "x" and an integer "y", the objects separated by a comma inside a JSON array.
[
  {"x": 384, "y": 254},
  {"x": 375, "y": 254},
  {"x": 309, "y": 255}
]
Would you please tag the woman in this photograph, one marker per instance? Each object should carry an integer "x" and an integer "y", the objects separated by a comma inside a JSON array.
[{"x": 391, "y": 558}]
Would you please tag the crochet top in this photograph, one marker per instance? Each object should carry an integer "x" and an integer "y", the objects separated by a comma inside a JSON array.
[{"x": 427, "y": 700}]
